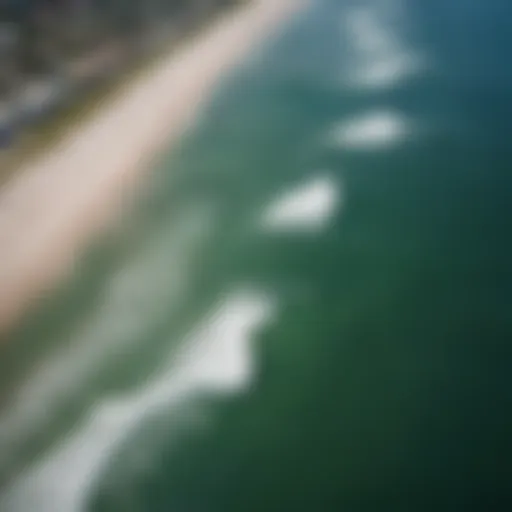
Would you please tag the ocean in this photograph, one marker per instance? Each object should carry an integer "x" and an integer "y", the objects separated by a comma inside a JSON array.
[{"x": 309, "y": 306}]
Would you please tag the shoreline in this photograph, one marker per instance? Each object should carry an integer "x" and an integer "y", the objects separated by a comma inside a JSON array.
[{"x": 52, "y": 208}]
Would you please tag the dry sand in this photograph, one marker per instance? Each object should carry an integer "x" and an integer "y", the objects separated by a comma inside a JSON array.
[{"x": 50, "y": 210}]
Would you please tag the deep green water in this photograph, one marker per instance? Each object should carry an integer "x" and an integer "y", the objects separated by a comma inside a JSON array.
[{"x": 376, "y": 375}]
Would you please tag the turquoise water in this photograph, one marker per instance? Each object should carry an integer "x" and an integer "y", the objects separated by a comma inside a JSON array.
[{"x": 309, "y": 307}]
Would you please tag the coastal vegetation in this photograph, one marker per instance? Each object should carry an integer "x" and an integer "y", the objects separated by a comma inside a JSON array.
[{"x": 51, "y": 51}]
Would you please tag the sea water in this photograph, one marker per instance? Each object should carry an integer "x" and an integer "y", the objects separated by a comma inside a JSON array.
[{"x": 309, "y": 307}]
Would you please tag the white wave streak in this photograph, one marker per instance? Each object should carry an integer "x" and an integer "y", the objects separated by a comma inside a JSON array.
[
  {"x": 216, "y": 359},
  {"x": 145, "y": 289},
  {"x": 307, "y": 207},
  {"x": 372, "y": 130},
  {"x": 382, "y": 59}
]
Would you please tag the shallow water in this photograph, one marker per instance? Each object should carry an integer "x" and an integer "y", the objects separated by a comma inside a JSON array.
[{"x": 309, "y": 308}]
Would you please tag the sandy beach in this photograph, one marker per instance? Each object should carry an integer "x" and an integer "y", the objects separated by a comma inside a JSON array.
[{"x": 50, "y": 210}]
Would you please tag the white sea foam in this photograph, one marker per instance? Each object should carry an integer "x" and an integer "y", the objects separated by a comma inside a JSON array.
[
  {"x": 306, "y": 207},
  {"x": 216, "y": 359},
  {"x": 372, "y": 130},
  {"x": 382, "y": 58}
]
